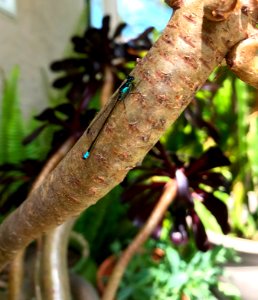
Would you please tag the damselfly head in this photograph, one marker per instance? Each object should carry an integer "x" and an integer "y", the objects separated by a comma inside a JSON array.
[{"x": 129, "y": 78}]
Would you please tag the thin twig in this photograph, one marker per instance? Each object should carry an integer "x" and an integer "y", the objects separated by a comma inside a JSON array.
[
  {"x": 108, "y": 86},
  {"x": 158, "y": 212},
  {"x": 53, "y": 162}
]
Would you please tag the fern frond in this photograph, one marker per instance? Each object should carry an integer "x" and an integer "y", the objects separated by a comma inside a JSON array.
[{"x": 11, "y": 123}]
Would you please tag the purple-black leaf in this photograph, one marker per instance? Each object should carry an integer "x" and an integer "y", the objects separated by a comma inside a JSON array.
[
  {"x": 119, "y": 30},
  {"x": 63, "y": 81},
  {"x": 200, "y": 235},
  {"x": 66, "y": 109},
  {"x": 15, "y": 198},
  {"x": 105, "y": 25},
  {"x": 218, "y": 209},
  {"x": 212, "y": 158},
  {"x": 46, "y": 115},
  {"x": 69, "y": 64},
  {"x": 213, "y": 179},
  {"x": 31, "y": 137}
]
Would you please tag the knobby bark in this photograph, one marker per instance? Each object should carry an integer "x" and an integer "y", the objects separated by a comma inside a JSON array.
[{"x": 166, "y": 80}]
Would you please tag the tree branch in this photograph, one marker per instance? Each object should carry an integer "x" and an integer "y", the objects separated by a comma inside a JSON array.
[{"x": 166, "y": 80}]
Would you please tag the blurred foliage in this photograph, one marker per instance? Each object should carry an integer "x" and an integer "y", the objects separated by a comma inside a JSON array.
[
  {"x": 234, "y": 113},
  {"x": 13, "y": 128},
  {"x": 18, "y": 164},
  {"x": 174, "y": 273},
  {"x": 102, "y": 219},
  {"x": 11, "y": 122}
]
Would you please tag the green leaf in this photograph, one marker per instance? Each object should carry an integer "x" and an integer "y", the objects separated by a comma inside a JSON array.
[
  {"x": 11, "y": 124},
  {"x": 173, "y": 259},
  {"x": 252, "y": 146}
]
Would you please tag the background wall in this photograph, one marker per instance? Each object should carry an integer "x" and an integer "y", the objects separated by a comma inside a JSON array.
[{"x": 37, "y": 35}]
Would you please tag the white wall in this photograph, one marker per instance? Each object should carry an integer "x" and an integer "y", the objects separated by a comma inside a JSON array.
[{"x": 36, "y": 36}]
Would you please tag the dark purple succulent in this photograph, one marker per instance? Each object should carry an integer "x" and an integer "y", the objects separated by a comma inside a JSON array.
[
  {"x": 84, "y": 74},
  {"x": 16, "y": 181},
  {"x": 192, "y": 178},
  {"x": 97, "y": 51}
]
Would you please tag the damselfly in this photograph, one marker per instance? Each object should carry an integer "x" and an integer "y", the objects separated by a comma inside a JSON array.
[{"x": 122, "y": 93}]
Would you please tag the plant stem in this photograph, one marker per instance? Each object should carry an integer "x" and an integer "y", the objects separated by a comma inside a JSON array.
[
  {"x": 53, "y": 162},
  {"x": 158, "y": 212},
  {"x": 108, "y": 86}
]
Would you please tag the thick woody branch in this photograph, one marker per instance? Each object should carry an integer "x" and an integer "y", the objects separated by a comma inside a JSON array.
[
  {"x": 166, "y": 80},
  {"x": 219, "y": 10},
  {"x": 175, "y": 4},
  {"x": 243, "y": 60}
]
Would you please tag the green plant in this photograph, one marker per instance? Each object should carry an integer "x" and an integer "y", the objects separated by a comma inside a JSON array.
[
  {"x": 234, "y": 113},
  {"x": 188, "y": 272},
  {"x": 15, "y": 159}
]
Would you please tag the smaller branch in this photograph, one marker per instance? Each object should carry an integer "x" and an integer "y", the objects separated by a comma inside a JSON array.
[
  {"x": 17, "y": 266},
  {"x": 80, "y": 240},
  {"x": 242, "y": 60},
  {"x": 175, "y": 4},
  {"x": 219, "y": 10},
  {"x": 165, "y": 156},
  {"x": 82, "y": 289},
  {"x": 166, "y": 198},
  {"x": 53, "y": 162},
  {"x": 54, "y": 269},
  {"x": 108, "y": 86},
  {"x": 37, "y": 269},
  {"x": 15, "y": 277}
]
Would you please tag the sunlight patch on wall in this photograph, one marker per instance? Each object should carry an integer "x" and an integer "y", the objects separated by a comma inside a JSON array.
[{"x": 8, "y": 6}]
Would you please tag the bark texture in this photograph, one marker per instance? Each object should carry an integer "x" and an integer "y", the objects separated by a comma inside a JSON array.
[{"x": 166, "y": 80}]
